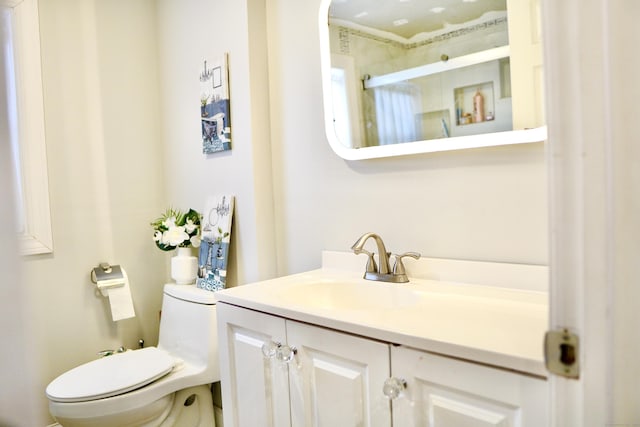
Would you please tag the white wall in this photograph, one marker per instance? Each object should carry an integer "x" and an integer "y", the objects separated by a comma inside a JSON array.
[
  {"x": 487, "y": 204},
  {"x": 17, "y": 391},
  {"x": 123, "y": 138},
  {"x": 101, "y": 97},
  {"x": 106, "y": 136},
  {"x": 190, "y": 33},
  {"x": 484, "y": 204}
]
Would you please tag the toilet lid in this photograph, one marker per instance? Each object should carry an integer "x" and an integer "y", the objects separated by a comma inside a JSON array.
[{"x": 111, "y": 375}]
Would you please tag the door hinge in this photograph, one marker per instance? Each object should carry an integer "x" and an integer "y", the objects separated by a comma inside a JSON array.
[{"x": 561, "y": 353}]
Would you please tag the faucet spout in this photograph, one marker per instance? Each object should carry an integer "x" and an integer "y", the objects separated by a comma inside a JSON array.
[{"x": 383, "y": 256}]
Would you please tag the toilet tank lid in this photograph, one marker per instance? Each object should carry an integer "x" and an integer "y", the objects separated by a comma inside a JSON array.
[{"x": 190, "y": 293}]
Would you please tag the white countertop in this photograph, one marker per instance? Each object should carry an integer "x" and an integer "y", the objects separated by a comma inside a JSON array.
[{"x": 496, "y": 326}]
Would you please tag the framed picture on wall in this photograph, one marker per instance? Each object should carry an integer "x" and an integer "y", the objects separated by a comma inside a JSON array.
[{"x": 215, "y": 106}]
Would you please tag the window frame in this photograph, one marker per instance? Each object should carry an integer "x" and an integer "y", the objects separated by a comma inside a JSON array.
[{"x": 36, "y": 237}]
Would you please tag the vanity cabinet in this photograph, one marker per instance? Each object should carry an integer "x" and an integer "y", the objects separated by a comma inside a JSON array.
[{"x": 280, "y": 372}]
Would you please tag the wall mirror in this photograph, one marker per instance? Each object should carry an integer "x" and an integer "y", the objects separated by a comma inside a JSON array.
[{"x": 416, "y": 76}]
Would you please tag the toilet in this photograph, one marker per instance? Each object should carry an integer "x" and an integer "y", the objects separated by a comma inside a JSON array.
[{"x": 164, "y": 386}]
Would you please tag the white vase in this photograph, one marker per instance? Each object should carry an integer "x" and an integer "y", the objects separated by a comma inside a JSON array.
[{"x": 184, "y": 267}]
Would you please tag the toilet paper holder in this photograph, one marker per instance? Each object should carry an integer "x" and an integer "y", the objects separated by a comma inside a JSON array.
[{"x": 107, "y": 276}]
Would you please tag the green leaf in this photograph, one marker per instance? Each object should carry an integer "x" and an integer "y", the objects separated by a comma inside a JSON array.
[
  {"x": 193, "y": 216},
  {"x": 164, "y": 247}
]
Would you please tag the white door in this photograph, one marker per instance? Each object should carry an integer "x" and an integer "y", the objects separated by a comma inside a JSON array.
[
  {"x": 591, "y": 73},
  {"x": 255, "y": 389},
  {"x": 337, "y": 379},
  {"x": 444, "y": 392}
]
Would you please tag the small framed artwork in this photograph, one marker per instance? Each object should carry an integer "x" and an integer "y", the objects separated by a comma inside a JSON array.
[
  {"x": 214, "y": 248},
  {"x": 217, "y": 77},
  {"x": 215, "y": 106}
]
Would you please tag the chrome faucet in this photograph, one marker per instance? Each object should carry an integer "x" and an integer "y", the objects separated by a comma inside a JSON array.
[{"x": 382, "y": 273}]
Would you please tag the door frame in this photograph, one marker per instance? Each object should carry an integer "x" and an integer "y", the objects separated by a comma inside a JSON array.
[{"x": 589, "y": 64}]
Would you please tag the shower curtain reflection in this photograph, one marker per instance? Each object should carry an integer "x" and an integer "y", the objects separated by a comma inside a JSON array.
[{"x": 395, "y": 113}]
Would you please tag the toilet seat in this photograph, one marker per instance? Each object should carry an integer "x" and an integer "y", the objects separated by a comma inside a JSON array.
[{"x": 111, "y": 375}]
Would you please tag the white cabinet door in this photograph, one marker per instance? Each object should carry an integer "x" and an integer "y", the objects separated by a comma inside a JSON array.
[
  {"x": 255, "y": 389},
  {"x": 336, "y": 379},
  {"x": 444, "y": 392}
]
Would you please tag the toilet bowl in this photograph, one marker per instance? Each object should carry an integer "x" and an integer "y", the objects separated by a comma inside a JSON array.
[{"x": 165, "y": 386}]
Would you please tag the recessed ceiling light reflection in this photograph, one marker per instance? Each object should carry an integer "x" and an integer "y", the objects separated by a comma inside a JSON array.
[
  {"x": 361, "y": 15},
  {"x": 437, "y": 9},
  {"x": 399, "y": 22}
]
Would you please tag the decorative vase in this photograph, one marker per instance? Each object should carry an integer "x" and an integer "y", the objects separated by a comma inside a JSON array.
[{"x": 184, "y": 267}]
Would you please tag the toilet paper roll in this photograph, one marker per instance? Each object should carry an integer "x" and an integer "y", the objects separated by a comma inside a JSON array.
[
  {"x": 121, "y": 302},
  {"x": 116, "y": 287}
]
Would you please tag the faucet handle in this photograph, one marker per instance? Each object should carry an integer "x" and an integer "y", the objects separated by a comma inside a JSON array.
[
  {"x": 371, "y": 262},
  {"x": 398, "y": 266}
]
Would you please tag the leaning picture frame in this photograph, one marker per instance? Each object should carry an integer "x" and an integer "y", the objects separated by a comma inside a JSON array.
[{"x": 214, "y": 247}]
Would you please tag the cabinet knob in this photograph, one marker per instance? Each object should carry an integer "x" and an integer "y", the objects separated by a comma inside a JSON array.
[
  {"x": 393, "y": 387},
  {"x": 285, "y": 353},
  {"x": 270, "y": 349}
]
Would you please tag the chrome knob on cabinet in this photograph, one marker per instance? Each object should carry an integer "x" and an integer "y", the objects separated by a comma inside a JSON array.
[
  {"x": 270, "y": 349},
  {"x": 393, "y": 387}
]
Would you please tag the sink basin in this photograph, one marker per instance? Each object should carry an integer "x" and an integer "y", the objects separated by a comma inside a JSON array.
[
  {"x": 492, "y": 325},
  {"x": 351, "y": 296}
]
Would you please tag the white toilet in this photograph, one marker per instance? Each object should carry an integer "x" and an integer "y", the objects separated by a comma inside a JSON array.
[{"x": 163, "y": 386}]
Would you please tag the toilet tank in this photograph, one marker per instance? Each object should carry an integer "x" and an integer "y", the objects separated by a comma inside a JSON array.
[{"x": 188, "y": 327}]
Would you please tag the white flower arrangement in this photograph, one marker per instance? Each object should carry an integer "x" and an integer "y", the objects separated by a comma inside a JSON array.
[{"x": 176, "y": 229}]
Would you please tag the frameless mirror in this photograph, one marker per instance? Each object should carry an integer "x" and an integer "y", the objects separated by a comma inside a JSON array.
[{"x": 415, "y": 76}]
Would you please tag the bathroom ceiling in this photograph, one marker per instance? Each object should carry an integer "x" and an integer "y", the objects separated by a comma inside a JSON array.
[{"x": 406, "y": 18}]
